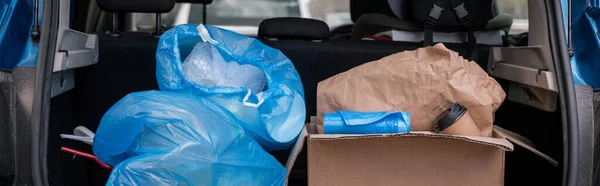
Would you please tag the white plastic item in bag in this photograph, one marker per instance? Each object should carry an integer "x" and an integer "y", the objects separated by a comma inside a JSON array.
[{"x": 205, "y": 66}]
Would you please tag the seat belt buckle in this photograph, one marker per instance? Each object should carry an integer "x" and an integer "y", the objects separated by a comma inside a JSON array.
[
  {"x": 434, "y": 15},
  {"x": 436, "y": 11},
  {"x": 462, "y": 13}
]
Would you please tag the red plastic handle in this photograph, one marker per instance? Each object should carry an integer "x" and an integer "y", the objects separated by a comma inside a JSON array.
[{"x": 86, "y": 155}]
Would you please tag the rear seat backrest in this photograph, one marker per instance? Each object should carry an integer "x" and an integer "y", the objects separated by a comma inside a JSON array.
[{"x": 126, "y": 64}]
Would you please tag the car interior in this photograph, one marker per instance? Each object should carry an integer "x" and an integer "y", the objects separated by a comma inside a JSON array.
[{"x": 127, "y": 63}]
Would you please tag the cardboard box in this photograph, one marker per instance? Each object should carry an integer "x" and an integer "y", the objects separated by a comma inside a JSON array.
[
  {"x": 416, "y": 158},
  {"x": 424, "y": 82}
]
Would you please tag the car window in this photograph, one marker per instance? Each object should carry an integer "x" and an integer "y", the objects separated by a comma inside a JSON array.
[
  {"x": 334, "y": 12},
  {"x": 244, "y": 16},
  {"x": 251, "y": 12},
  {"x": 244, "y": 12},
  {"x": 518, "y": 10}
]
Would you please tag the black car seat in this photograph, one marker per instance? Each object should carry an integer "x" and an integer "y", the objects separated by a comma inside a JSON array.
[
  {"x": 412, "y": 22},
  {"x": 402, "y": 15},
  {"x": 357, "y": 9}
]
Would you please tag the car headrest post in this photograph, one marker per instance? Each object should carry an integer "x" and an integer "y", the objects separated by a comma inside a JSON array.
[
  {"x": 158, "y": 30},
  {"x": 203, "y": 13},
  {"x": 114, "y": 32}
]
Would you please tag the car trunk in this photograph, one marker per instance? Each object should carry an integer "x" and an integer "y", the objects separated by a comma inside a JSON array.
[
  {"x": 128, "y": 65},
  {"x": 86, "y": 103}
]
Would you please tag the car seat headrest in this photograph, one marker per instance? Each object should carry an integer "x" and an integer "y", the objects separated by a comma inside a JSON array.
[
  {"x": 293, "y": 28},
  {"x": 145, "y": 6},
  {"x": 361, "y": 7}
]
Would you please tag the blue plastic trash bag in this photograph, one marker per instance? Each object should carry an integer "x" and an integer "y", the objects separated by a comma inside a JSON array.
[
  {"x": 273, "y": 117},
  {"x": 586, "y": 43},
  {"x": 352, "y": 122},
  {"x": 177, "y": 138}
]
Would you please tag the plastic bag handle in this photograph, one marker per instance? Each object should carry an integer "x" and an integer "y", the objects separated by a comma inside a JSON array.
[
  {"x": 255, "y": 105},
  {"x": 83, "y": 131},
  {"x": 86, "y": 139},
  {"x": 205, "y": 35}
]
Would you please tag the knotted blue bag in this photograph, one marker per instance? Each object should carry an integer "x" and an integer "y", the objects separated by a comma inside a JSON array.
[
  {"x": 177, "y": 138},
  {"x": 273, "y": 117}
]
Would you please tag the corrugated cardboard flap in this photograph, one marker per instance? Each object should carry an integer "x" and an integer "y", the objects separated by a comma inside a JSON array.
[
  {"x": 523, "y": 142},
  {"x": 497, "y": 141},
  {"x": 500, "y": 140}
]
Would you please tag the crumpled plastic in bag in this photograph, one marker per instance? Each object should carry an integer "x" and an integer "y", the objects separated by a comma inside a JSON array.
[
  {"x": 273, "y": 117},
  {"x": 205, "y": 66},
  {"x": 177, "y": 138}
]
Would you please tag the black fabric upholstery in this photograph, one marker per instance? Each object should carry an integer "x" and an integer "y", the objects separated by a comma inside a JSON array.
[
  {"x": 147, "y": 6},
  {"x": 362, "y": 7},
  {"x": 126, "y": 64},
  {"x": 480, "y": 12},
  {"x": 410, "y": 15},
  {"x": 373, "y": 23},
  {"x": 293, "y": 28},
  {"x": 400, "y": 8},
  {"x": 342, "y": 32}
]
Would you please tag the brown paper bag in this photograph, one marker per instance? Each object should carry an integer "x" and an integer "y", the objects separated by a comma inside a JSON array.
[{"x": 423, "y": 82}]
